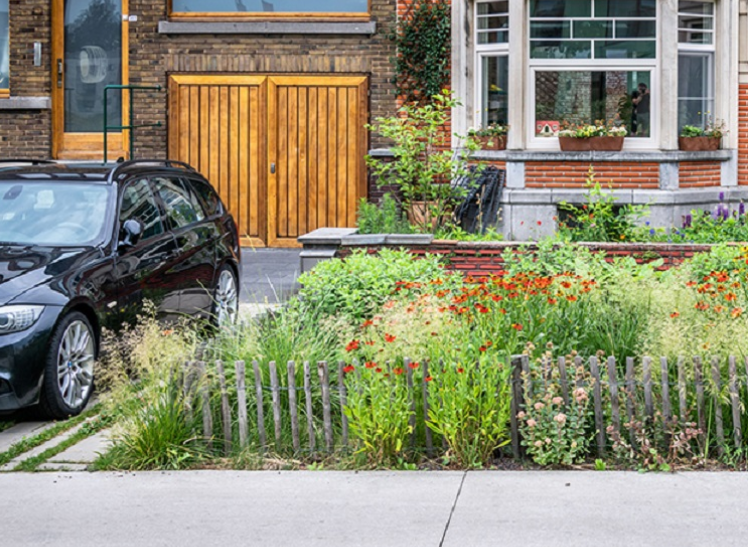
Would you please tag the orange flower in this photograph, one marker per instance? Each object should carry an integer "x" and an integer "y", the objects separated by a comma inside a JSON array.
[
  {"x": 572, "y": 298},
  {"x": 349, "y": 368},
  {"x": 367, "y": 323},
  {"x": 517, "y": 326},
  {"x": 552, "y": 301},
  {"x": 398, "y": 371},
  {"x": 674, "y": 315},
  {"x": 414, "y": 365},
  {"x": 736, "y": 312},
  {"x": 370, "y": 364},
  {"x": 730, "y": 297},
  {"x": 427, "y": 379},
  {"x": 389, "y": 337},
  {"x": 352, "y": 345}
]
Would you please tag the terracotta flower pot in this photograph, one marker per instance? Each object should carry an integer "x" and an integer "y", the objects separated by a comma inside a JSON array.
[
  {"x": 498, "y": 142},
  {"x": 608, "y": 144},
  {"x": 574, "y": 144},
  {"x": 693, "y": 144}
]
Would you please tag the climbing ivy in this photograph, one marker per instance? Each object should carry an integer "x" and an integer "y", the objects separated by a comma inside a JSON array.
[{"x": 422, "y": 37}]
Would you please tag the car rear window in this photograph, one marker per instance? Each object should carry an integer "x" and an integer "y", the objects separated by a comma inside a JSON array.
[
  {"x": 182, "y": 207},
  {"x": 210, "y": 200}
]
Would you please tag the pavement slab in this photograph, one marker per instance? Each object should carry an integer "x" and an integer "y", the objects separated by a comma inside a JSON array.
[
  {"x": 21, "y": 431},
  {"x": 84, "y": 452},
  {"x": 54, "y": 441}
]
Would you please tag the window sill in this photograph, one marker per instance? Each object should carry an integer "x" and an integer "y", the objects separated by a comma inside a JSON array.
[
  {"x": 267, "y": 27},
  {"x": 653, "y": 156},
  {"x": 25, "y": 103}
]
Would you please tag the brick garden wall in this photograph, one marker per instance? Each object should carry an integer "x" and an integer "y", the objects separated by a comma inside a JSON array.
[
  {"x": 574, "y": 175},
  {"x": 743, "y": 134},
  {"x": 484, "y": 258},
  {"x": 699, "y": 174}
]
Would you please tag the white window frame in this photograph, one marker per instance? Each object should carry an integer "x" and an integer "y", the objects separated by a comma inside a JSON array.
[
  {"x": 5, "y": 89},
  {"x": 707, "y": 50},
  {"x": 580, "y": 65},
  {"x": 500, "y": 49}
]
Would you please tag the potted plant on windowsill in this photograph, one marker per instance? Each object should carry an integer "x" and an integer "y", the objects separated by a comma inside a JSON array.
[
  {"x": 693, "y": 138},
  {"x": 423, "y": 163},
  {"x": 585, "y": 137},
  {"x": 491, "y": 137}
]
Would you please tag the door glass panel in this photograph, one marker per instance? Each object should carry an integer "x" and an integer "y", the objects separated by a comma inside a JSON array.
[
  {"x": 4, "y": 35},
  {"x": 93, "y": 58}
]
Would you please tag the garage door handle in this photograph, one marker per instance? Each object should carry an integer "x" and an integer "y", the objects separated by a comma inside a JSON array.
[{"x": 272, "y": 169}]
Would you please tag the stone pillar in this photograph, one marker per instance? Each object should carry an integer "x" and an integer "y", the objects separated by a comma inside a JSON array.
[{"x": 667, "y": 87}]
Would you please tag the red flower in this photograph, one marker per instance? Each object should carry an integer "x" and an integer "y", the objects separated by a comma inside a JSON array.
[
  {"x": 674, "y": 315},
  {"x": 414, "y": 365},
  {"x": 370, "y": 364},
  {"x": 349, "y": 368},
  {"x": 552, "y": 301},
  {"x": 482, "y": 348},
  {"x": 460, "y": 370},
  {"x": 352, "y": 345},
  {"x": 427, "y": 379},
  {"x": 389, "y": 337},
  {"x": 369, "y": 342},
  {"x": 368, "y": 323},
  {"x": 572, "y": 298},
  {"x": 517, "y": 326},
  {"x": 378, "y": 369},
  {"x": 398, "y": 371},
  {"x": 539, "y": 223}
]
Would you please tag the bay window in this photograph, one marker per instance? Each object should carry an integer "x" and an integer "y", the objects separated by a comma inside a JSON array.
[{"x": 4, "y": 49}]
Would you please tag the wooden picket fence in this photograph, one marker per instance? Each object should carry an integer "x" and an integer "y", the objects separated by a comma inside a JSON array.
[{"x": 614, "y": 399}]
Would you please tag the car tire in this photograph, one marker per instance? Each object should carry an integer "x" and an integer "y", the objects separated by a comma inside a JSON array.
[
  {"x": 225, "y": 297},
  {"x": 68, "y": 369}
]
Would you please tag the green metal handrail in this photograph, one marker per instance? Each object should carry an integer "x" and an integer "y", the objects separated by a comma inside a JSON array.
[{"x": 130, "y": 127}]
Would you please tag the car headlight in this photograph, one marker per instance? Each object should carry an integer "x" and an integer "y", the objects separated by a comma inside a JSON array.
[{"x": 17, "y": 318}]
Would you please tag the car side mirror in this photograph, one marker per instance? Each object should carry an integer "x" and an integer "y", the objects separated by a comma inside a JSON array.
[{"x": 130, "y": 234}]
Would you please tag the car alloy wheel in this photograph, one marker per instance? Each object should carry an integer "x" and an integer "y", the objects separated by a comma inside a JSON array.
[
  {"x": 76, "y": 354},
  {"x": 226, "y": 298}
]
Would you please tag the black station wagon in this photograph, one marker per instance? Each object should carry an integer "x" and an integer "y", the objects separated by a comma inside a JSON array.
[{"x": 82, "y": 247}]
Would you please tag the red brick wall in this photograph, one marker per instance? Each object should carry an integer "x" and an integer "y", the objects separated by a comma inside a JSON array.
[
  {"x": 743, "y": 134},
  {"x": 574, "y": 174},
  {"x": 699, "y": 174},
  {"x": 484, "y": 258}
]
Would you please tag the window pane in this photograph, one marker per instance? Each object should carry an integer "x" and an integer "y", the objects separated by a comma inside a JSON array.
[
  {"x": 4, "y": 54},
  {"x": 550, "y": 29},
  {"x": 571, "y": 49},
  {"x": 178, "y": 202},
  {"x": 287, "y": 6},
  {"x": 695, "y": 88},
  {"x": 493, "y": 37},
  {"x": 496, "y": 22},
  {"x": 636, "y": 29},
  {"x": 138, "y": 203},
  {"x": 625, "y": 8},
  {"x": 608, "y": 49},
  {"x": 560, "y": 8},
  {"x": 494, "y": 80},
  {"x": 688, "y": 37},
  {"x": 586, "y": 96},
  {"x": 696, "y": 23},
  {"x": 485, "y": 8},
  {"x": 593, "y": 29},
  {"x": 690, "y": 6}
]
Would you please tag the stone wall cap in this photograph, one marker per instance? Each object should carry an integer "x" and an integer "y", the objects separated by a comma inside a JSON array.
[
  {"x": 267, "y": 27},
  {"x": 363, "y": 239},
  {"x": 326, "y": 236},
  {"x": 409, "y": 239},
  {"x": 26, "y": 103}
]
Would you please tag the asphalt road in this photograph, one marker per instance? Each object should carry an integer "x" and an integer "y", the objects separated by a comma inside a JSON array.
[
  {"x": 382, "y": 509},
  {"x": 268, "y": 275}
]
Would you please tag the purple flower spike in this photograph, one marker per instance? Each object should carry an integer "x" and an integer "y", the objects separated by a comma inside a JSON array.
[
  {"x": 717, "y": 213},
  {"x": 725, "y": 213},
  {"x": 722, "y": 196},
  {"x": 741, "y": 209},
  {"x": 689, "y": 220}
]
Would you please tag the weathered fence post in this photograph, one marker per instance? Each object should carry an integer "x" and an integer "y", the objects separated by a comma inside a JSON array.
[
  {"x": 225, "y": 409},
  {"x": 564, "y": 380},
  {"x": 343, "y": 402},
  {"x": 630, "y": 399},
  {"x": 205, "y": 400},
  {"x": 682, "y": 410},
  {"x": 517, "y": 403},
  {"x": 292, "y": 406},
  {"x": 308, "y": 402},
  {"x": 735, "y": 400},
  {"x": 324, "y": 378},
  {"x": 260, "y": 409},
  {"x": 647, "y": 376},
  {"x": 698, "y": 379},
  {"x": 718, "y": 406},
  {"x": 666, "y": 410},
  {"x": 615, "y": 411},
  {"x": 412, "y": 397},
  {"x": 597, "y": 396},
  {"x": 241, "y": 400},
  {"x": 425, "y": 395},
  {"x": 275, "y": 393}
]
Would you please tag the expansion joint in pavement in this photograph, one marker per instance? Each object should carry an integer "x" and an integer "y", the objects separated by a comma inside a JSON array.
[{"x": 452, "y": 511}]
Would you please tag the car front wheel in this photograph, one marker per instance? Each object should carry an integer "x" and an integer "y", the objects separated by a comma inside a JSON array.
[
  {"x": 226, "y": 297},
  {"x": 68, "y": 374}
]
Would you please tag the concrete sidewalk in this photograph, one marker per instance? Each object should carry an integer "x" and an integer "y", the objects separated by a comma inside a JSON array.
[
  {"x": 269, "y": 275},
  {"x": 377, "y": 509}
]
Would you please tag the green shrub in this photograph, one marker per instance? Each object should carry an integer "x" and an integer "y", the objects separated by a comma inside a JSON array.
[{"x": 382, "y": 218}]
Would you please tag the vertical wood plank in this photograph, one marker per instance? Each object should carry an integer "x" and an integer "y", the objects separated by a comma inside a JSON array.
[
  {"x": 302, "y": 165},
  {"x": 425, "y": 394},
  {"x": 234, "y": 152},
  {"x": 352, "y": 154},
  {"x": 343, "y": 392},
  {"x": 323, "y": 177},
  {"x": 615, "y": 410},
  {"x": 292, "y": 406},
  {"x": 666, "y": 410},
  {"x": 332, "y": 156},
  {"x": 412, "y": 398},
  {"x": 564, "y": 379},
  {"x": 717, "y": 380},
  {"x": 241, "y": 400},
  {"x": 597, "y": 399},
  {"x": 324, "y": 378},
  {"x": 313, "y": 158},
  {"x": 735, "y": 400},
  {"x": 225, "y": 409},
  {"x": 292, "y": 186},
  {"x": 630, "y": 399},
  {"x": 682, "y": 409},
  {"x": 275, "y": 394},
  {"x": 281, "y": 165},
  {"x": 194, "y": 127},
  {"x": 648, "y": 403},
  {"x": 309, "y": 408},
  {"x": 699, "y": 381},
  {"x": 516, "y": 403},
  {"x": 260, "y": 406},
  {"x": 205, "y": 400}
]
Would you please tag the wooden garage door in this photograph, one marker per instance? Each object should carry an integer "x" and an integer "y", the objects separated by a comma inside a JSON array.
[{"x": 286, "y": 153}]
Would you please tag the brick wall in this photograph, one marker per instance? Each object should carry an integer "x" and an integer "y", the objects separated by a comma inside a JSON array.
[
  {"x": 574, "y": 175},
  {"x": 484, "y": 258},
  {"x": 27, "y": 133},
  {"x": 700, "y": 174},
  {"x": 743, "y": 134}
]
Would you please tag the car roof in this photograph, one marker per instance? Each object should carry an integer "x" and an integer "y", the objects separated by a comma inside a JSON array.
[{"x": 89, "y": 172}]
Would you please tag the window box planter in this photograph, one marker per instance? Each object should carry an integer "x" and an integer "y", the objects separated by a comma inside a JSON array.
[
  {"x": 693, "y": 144},
  {"x": 576, "y": 144},
  {"x": 498, "y": 143}
]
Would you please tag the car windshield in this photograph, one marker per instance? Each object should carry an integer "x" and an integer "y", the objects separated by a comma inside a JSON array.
[{"x": 52, "y": 213}]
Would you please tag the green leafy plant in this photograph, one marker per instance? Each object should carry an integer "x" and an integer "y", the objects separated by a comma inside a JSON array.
[
  {"x": 713, "y": 128},
  {"x": 424, "y": 164},
  {"x": 600, "y": 128},
  {"x": 422, "y": 38},
  {"x": 384, "y": 217}
]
